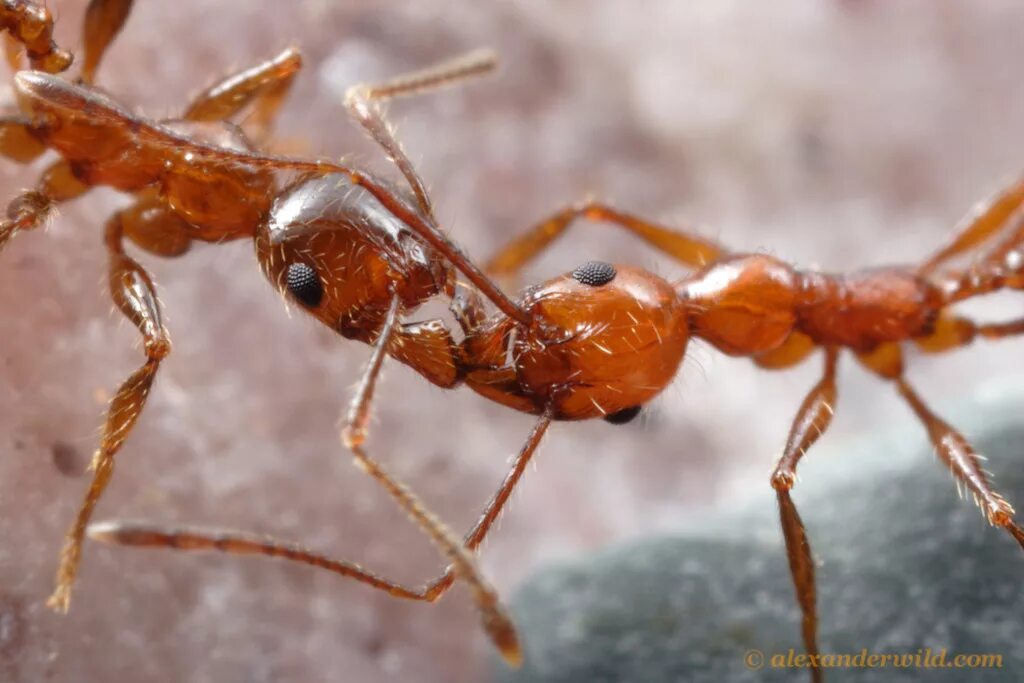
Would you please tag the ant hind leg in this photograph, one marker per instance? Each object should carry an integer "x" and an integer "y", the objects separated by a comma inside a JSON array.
[
  {"x": 135, "y": 295},
  {"x": 950, "y": 445},
  {"x": 964, "y": 462},
  {"x": 953, "y": 331}
]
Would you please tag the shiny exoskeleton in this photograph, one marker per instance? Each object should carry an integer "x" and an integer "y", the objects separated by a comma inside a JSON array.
[{"x": 361, "y": 255}]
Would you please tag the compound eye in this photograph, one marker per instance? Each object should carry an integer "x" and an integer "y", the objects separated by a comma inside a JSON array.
[
  {"x": 623, "y": 416},
  {"x": 594, "y": 273},
  {"x": 304, "y": 285}
]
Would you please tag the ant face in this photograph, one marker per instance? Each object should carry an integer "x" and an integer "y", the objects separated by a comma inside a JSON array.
[
  {"x": 336, "y": 252},
  {"x": 623, "y": 337}
]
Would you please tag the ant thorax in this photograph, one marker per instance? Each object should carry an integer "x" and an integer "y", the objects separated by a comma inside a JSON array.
[{"x": 603, "y": 339}]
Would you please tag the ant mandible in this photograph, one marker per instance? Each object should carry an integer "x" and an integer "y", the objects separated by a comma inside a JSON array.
[{"x": 359, "y": 254}]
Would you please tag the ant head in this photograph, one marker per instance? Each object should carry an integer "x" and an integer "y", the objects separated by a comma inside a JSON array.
[
  {"x": 621, "y": 336},
  {"x": 334, "y": 250}
]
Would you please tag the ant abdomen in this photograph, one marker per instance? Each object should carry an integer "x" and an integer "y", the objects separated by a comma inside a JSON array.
[
  {"x": 604, "y": 339},
  {"x": 336, "y": 251}
]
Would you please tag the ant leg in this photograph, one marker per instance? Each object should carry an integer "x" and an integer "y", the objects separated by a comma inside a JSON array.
[
  {"x": 980, "y": 224},
  {"x": 361, "y": 102},
  {"x": 963, "y": 462},
  {"x": 31, "y": 24},
  {"x": 141, "y": 534},
  {"x": 17, "y": 141},
  {"x": 237, "y": 543},
  {"x": 496, "y": 621},
  {"x": 954, "y": 331},
  {"x": 31, "y": 208},
  {"x": 104, "y": 19},
  {"x": 135, "y": 295},
  {"x": 688, "y": 248},
  {"x": 811, "y": 421},
  {"x": 952, "y": 448},
  {"x": 264, "y": 85},
  {"x": 492, "y": 511},
  {"x": 155, "y": 227}
]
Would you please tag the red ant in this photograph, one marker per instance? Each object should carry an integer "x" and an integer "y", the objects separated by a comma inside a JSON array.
[{"x": 359, "y": 254}]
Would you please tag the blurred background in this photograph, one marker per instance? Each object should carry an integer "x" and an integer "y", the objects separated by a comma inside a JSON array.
[{"x": 836, "y": 134}]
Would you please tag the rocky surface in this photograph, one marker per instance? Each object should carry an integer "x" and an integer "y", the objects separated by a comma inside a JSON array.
[
  {"x": 836, "y": 133},
  {"x": 903, "y": 569}
]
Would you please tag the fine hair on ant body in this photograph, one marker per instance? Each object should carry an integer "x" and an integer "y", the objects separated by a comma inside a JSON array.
[{"x": 361, "y": 254}]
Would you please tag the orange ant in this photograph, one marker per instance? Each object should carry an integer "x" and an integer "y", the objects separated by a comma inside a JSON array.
[{"x": 359, "y": 254}]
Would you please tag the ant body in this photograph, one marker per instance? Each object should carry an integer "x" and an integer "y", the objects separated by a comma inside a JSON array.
[{"x": 360, "y": 254}]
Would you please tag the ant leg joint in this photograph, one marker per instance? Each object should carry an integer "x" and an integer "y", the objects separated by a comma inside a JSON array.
[
  {"x": 357, "y": 96},
  {"x": 999, "y": 512},
  {"x": 783, "y": 480},
  {"x": 353, "y": 436},
  {"x": 158, "y": 348}
]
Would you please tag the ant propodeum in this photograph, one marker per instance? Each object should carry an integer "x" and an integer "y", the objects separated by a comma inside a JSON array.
[{"x": 361, "y": 255}]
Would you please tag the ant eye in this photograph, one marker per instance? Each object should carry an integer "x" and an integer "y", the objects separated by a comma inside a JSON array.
[
  {"x": 304, "y": 284},
  {"x": 623, "y": 416},
  {"x": 594, "y": 273}
]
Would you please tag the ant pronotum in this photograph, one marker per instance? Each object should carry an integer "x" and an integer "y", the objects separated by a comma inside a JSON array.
[{"x": 358, "y": 254}]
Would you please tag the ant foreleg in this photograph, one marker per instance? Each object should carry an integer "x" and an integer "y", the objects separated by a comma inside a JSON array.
[
  {"x": 135, "y": 295},
  {"x": 265, "y": 86},
  {"x": 104, "y": 19},
  {"x": 811, "y": 421},
  {"x": 361, "y": 102},
  {"x": 688, "y": 248},
  {"x": 496, "y": 621},
  {"x": 985, "y": 220},
  {"x": 475, "y": 537}
]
